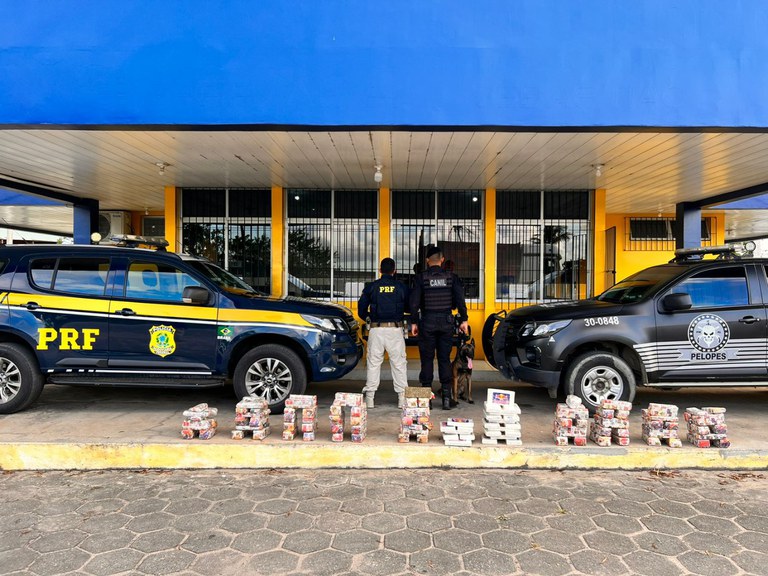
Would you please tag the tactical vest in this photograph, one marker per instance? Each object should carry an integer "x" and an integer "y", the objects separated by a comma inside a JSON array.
[{"x": 437, "y": 287}]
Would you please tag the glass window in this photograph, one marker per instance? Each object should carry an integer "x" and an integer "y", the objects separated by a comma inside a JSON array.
[
  {"x": 309, "y": 243},
  {"x": 355, "y": 241},
  {"x": 719, "y": 287},
  {"x": 332, "y": 242},
  {"x": 452, "y": 219},
  {"x": 647, "y": 233},
  {"x": 41, "y": 272},
  {"x": 541, "y": 254},
  {"x": 204, "y": 240},
  {"x": 157, "y": 281},
  {"x": 82, "y": 276},
  {"x": 232, "y": 229},
  {"x": 153, "y": 226},
  {"x": 250, "y": 249},
  {"x": 203, "y": 202}
]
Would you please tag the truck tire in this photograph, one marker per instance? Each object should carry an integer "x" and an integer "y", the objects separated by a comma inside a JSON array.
[
  {"x": 596, "y": 376},
  {"x": 20, "y": 379},
  {"x": 271, "y": 372}
]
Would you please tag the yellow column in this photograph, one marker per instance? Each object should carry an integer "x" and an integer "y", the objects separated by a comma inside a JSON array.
[
  {"x": 172, "y": 220},
  {"x": 598, "y": 253},
  {"x": 490, "y": 251},
  {"x": 279, "y": 253},
  {"x": 385, "y": 243}
]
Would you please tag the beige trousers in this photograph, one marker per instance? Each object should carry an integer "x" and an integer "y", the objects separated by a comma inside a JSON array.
[{"x": 391, "y": 341}]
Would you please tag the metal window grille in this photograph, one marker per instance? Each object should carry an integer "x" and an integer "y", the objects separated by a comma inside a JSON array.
[
  {"x": 542, "y": 245},
  {"x": 452, "y": 219},
  {"x": 332, "y": 242},
  {"x": 659, "y": 234},
  {"x": 355, "y": 241},
  {"x": 231, "y": 228}
]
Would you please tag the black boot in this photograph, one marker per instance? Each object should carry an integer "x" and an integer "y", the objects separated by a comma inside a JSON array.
[{"x": 447, "y": 398}]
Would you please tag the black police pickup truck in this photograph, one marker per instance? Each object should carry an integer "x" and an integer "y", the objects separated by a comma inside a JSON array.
[
  {"x": 116, "y": 316},
  {"x": 696, "y": 321}
]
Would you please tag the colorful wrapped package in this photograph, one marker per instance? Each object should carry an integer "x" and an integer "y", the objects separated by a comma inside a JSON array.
[
  {"x": 571, "y": 422},
  {"x": 706, "y": 427},
  {"x": 661, "y": 425},
  {"x": 308, "y": 424},
  {"x": 353, "y": 403},
  {"x": 610, "y": 424},
  {"x": 251, "y": 418},
  {"x": 501, "y": 418},
  {"x": 415, "y": 419},
  {"x": 199, "y": 421}
]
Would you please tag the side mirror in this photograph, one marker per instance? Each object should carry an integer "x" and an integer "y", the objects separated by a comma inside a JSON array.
[
  {"x": 195, "y": 295},
  {"x": 676, "y": 302}
]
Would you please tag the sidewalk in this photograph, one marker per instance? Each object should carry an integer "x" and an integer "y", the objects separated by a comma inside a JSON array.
[{"x": 102, "y": 428}]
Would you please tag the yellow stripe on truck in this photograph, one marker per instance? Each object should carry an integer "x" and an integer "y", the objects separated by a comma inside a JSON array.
[
  {"x": 170, "y": 311},
  {"x": 266, "y": 316}
]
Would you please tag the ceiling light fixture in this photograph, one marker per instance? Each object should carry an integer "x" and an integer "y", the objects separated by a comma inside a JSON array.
[
  {"x": 162, "y": 166},
  {"x": 378, "y": 176},
  {"x": 598, "y": 169}
]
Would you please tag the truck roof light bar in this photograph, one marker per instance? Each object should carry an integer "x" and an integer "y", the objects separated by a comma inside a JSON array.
[{"x": 723, "y": 252}]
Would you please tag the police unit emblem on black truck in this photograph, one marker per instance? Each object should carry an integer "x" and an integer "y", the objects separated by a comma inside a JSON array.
[{"x": 709, "y": 333}]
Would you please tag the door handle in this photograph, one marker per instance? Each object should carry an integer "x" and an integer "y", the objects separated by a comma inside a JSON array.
[
  {"x": 126, "y": 312},
  {"x": 32, "y": 305},
  {"x": 749, "y": 320}
]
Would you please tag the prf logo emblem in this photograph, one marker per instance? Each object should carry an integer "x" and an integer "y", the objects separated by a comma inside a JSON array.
[
  {"x": 161, "y": 340},
  {"x": 708, "y": 333}
]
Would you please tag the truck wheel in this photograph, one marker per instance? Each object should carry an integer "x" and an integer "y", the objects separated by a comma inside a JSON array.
[
  {"x": 596, "y": 376},
  {"x": 20, "y": 379},
  {"x": 271, "y": 372}
]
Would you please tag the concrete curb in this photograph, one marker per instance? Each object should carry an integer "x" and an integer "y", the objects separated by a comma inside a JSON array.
[{"x": 249, "y": 454}]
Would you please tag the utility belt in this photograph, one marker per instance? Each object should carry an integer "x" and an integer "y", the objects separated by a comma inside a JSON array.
[{"x": 386, "y": 324}]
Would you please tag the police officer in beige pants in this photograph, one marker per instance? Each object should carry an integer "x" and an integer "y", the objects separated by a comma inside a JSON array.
[{"x": 383, "y": 304}]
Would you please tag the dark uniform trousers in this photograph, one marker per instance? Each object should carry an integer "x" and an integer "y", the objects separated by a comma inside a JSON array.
[{"x": 436, "y": 333}]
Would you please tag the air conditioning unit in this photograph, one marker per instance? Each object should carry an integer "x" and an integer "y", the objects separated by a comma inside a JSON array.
[{"x": 114, "y": 222}]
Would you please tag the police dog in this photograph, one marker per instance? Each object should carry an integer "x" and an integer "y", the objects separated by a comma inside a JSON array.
[{"x": 462, "y": 372}]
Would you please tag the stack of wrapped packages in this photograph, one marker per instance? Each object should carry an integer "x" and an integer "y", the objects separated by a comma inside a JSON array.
[
  {"x": 308, "y": 406},
  {"x": 199, "y": 420},
  {"x": 458, "y": 431},
  {"x": 571, "y": 421},
  {"x": 501, "y": 418},
  {"x": 611, "y": 423},
  {"x": 251, "y": 415},
  {"x": 358, "y": 416},
  {"x": 415, "y": 416},
  {"x": 706, "y": 427},
  {"x": 661, "y": 423}
]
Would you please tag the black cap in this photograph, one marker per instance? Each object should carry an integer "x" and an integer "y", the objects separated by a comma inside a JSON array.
[{"x": 432, "y": 250}]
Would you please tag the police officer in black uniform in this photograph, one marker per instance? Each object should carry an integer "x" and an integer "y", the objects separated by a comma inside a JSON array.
[{"x": 435, "y": 294}]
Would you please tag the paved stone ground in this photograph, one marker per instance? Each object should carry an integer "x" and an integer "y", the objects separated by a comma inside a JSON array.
[{"x": 384, "y": 522}]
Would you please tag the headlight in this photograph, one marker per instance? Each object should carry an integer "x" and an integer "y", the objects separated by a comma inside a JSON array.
[
  {"x": 333, "y": 324},
  {"x": 546, "y": 329}
]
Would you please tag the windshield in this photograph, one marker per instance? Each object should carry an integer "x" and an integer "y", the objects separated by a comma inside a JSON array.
[
  {"x": 223, "y": 279},
  {"x": 640, "y": 285}
]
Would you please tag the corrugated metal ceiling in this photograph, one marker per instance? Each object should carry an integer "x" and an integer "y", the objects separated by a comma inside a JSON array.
[{"x": 643, "y": 171}]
